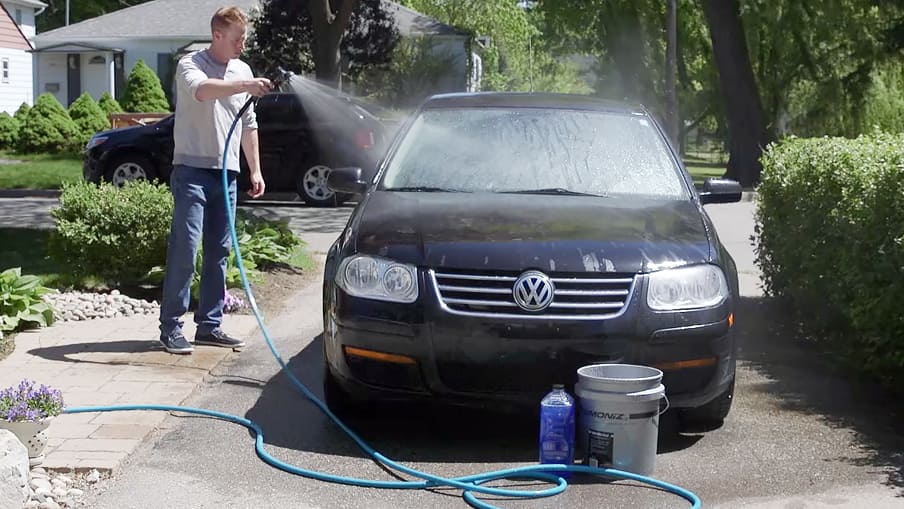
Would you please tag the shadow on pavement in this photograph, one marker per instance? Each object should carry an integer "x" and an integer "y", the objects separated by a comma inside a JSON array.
[
  {"x": 802, "y": 377},
  {"x": 449, "y": 435}
]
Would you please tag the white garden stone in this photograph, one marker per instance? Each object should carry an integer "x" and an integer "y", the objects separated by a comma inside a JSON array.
[{"x": 13, "y": 471}]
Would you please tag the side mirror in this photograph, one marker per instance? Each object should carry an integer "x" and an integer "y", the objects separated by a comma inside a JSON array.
[
  {"x": 347, "y": 180},
  {"x": 718, "y": 190}
]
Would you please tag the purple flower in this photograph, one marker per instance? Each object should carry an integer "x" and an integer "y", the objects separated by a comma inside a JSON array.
[
  {"x": 29, "y": 403},
  {"x": 232, "y": 303}
]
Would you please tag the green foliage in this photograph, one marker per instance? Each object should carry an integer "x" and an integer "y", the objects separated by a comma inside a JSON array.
[
  {"x": 117, "y": 234},
  {"x": 506, "y": 61},
  {"x": 48, "y": 128},
  {"x": 830, "y": 228},
  {"x": 283, "y": 36},
  {"x": 416, "y": 72},
  {"x": 22, "y": 112},
  {"x": 88, "y": 116},
  {"x": 9, "y": 131},
  {"x": 884, "y": 105},
  {"x": 21, "y": 302},
  {"x": 109, "y": 105},
  {"x": 144, "y": 93}
]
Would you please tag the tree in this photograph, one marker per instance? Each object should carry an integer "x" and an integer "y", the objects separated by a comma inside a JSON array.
[
  {"x": 88, "y": 116},
  {"x": 305, "y": 37},
  {"x": 55, "y": 14},
  {"x": 48, "y": 127},
  {"x": 747, "y": 134},
  {"x": 109, "y": 104},
  {"x": 143, "y": 93}
]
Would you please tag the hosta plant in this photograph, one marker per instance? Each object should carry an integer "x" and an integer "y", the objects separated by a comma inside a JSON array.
[{"x": 21, "y": 302}]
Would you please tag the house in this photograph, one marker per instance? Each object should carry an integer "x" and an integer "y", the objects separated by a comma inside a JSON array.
[
  {"x": 17, "y": 28},
  {"x": 96, "y": 55}
]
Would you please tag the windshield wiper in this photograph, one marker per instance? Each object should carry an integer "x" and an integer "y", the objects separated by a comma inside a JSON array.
[
  {"x": 423, "y": 189},
  {"x": 550, "y": 190}
]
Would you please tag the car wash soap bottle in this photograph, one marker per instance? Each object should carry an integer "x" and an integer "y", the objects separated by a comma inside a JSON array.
[{"x": 557, "y": 427}]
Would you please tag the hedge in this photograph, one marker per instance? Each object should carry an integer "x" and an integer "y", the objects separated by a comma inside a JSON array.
[{"x": 830, "y": 239}]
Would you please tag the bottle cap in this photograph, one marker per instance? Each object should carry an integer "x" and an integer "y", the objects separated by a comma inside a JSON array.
[{"x": 558, "y": 386}]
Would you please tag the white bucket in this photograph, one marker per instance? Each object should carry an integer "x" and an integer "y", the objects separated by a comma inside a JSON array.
[{"x": 618, "y": 418}]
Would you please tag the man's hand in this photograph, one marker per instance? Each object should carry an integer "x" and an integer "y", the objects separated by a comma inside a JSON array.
[
  {"x": 257, "y": 185},
  {"x": 257, "y": 86}
]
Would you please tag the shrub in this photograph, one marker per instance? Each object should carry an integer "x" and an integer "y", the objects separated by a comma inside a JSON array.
[
  {"x": 117, "y": 234},
  {"x": 21, "y": 302},
  {"x": 109, "y": 105},
  {"x": 48, "y": 128},
  {"x": 88, "y": 116},
  {"x": 830, "y": 228},
  {"x": 9, "y": 131},
  {"x": 143, "y": 93},
  {"x": 22, "y": 112}
]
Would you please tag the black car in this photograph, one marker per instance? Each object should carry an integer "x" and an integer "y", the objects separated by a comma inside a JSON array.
[
  {"x": 301, "y": 140},
  {"x": 509, "y": 239}
]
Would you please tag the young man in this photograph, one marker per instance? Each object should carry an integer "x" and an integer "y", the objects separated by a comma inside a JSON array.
[{"x": 212, "y": 85}]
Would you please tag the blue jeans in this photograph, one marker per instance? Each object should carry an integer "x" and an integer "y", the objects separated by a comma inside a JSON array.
[{"x": 199, "y": 214}]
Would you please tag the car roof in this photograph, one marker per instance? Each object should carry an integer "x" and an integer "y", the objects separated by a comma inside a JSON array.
[{"x": 530, "y": 100}]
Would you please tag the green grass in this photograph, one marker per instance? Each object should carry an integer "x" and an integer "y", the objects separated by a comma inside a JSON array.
[
  {"x": 39, "y": 171},
  {"x": 30, "y": 253},
  {"x": 302, "y": 258},
  {"x": 700, "y": 172}
]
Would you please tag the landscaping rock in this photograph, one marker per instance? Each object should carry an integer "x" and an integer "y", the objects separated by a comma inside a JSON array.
[
  {"x": 78, "y": 306},
  {"x": 14, "y": 488}
]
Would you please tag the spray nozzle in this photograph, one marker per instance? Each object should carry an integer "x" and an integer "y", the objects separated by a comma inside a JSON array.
[{"x": 282, "y": 77}]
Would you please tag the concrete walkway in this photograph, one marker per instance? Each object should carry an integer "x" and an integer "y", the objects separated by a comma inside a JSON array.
[{"x": 113, "y": 361}]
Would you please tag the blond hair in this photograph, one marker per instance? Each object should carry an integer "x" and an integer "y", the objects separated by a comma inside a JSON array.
[{"x": 226, "y": 17}]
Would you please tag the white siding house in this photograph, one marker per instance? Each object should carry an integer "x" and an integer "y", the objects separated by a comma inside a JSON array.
[
  {"x": 17, "y": 28},
  {"x": 97, "y": 55}
]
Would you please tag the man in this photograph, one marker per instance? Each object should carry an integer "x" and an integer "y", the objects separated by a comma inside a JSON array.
[{"x": 212, "y": 85}]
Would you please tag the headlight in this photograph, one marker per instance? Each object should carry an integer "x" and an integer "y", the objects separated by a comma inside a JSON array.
[
  {"x": 95, "y": 141},
  {"x": 377, "y": 278},
  {"x": 699, "y": 286}
]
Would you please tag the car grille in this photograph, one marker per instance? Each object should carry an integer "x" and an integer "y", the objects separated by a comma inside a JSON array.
[{"x": 577, "y": 296}]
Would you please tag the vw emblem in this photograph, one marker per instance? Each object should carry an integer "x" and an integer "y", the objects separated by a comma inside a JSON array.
[{"x": 533, "y": 291}]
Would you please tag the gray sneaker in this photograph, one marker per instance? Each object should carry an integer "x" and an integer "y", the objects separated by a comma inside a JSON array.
[
  {"x": 176, "y": 343},
  {"x": 217, "y": 337}
]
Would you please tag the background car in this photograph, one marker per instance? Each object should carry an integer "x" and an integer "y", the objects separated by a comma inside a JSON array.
[
  {"x": 299, "y": 143},
  {"x": 510, "y": 239}
]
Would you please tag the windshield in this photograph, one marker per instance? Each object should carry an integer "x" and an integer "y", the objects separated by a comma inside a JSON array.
[{"x": 543, "y": 150}]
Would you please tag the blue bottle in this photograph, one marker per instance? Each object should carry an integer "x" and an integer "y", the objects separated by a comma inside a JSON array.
[{"x": 557, "y": 428}]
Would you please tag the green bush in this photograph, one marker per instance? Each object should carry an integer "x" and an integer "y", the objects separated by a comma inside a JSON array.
[
  {"x": 88, "y": 116},
  {"x": 117, "y": 234},
  {"x": 21, "y": 302},
  {"x": 143, "y": 93},
  {"x": 48, "y": 128},
  {"x": 22, "y": 112},
  {"x": 9, "y": 131},
  {"x": 830, "y": 239},
  {"x": 109, "y": 105}
]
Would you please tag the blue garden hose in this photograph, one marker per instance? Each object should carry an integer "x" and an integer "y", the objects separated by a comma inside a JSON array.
[{"x": 469, "y": 484}]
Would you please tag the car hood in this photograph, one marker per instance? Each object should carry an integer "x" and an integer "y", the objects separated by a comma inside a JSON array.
[{"x": 514, "y": 232}]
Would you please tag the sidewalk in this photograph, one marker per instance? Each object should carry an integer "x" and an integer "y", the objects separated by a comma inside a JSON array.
[{"x": 112, "y": 361}]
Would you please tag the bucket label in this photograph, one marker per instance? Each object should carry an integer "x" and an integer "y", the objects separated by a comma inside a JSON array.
[
  {"x": 600, "y": 448},
  {"x": 617, "y": 416}
]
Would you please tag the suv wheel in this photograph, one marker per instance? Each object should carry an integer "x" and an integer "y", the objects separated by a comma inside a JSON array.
[
  {"x": 312, "y": 188},
  {"x": 709, "y": 416},
  {"x": 129, "y": 168}
]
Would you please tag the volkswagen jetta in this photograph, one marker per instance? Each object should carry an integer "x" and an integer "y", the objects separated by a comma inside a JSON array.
[{"x": 509, "y": 239}]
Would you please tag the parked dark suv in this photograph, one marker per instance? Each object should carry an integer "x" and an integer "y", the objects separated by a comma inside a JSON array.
[{"x": 299, "y": 143}]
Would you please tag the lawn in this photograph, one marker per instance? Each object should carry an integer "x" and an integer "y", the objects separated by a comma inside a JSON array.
[
  {"x": 30, "y": 254},
  {"x": 702, "y": 171},
  {"x": 39, "y": 171}
]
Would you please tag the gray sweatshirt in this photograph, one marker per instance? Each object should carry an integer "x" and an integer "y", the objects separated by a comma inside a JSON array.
[{"x": 201, "y": 127}]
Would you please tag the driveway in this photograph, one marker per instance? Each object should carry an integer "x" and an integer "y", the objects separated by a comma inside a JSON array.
[{"x": 800, "y": 436}]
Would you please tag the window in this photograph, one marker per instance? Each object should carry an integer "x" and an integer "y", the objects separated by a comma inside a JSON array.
[
  {"x": 18, "y": 16},
  {"x": 5, "y": 68}
]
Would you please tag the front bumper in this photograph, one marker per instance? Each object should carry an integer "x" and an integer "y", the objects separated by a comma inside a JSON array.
[{"x": 481, "y": 361}]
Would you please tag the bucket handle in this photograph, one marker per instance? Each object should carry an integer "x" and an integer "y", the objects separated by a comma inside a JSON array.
[{"x": 666, "y": 398}]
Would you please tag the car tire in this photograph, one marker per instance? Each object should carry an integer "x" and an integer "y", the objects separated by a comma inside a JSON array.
[
  {"x": 709, "y": 416},
  {"x": 129, "y": 167},
  {"x": 312, "y": 188}
]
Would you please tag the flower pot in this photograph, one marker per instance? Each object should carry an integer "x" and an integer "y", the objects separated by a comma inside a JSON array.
[{"x": 32, "y": 435}]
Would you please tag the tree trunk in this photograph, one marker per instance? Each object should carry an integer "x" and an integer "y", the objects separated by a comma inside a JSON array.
[
  {"x": 747, "y": 132},
  {"x": 329, "y": 20}
]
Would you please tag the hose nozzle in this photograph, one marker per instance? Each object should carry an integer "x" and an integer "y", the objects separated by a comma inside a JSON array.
[{"x": 282, "y": 77}]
